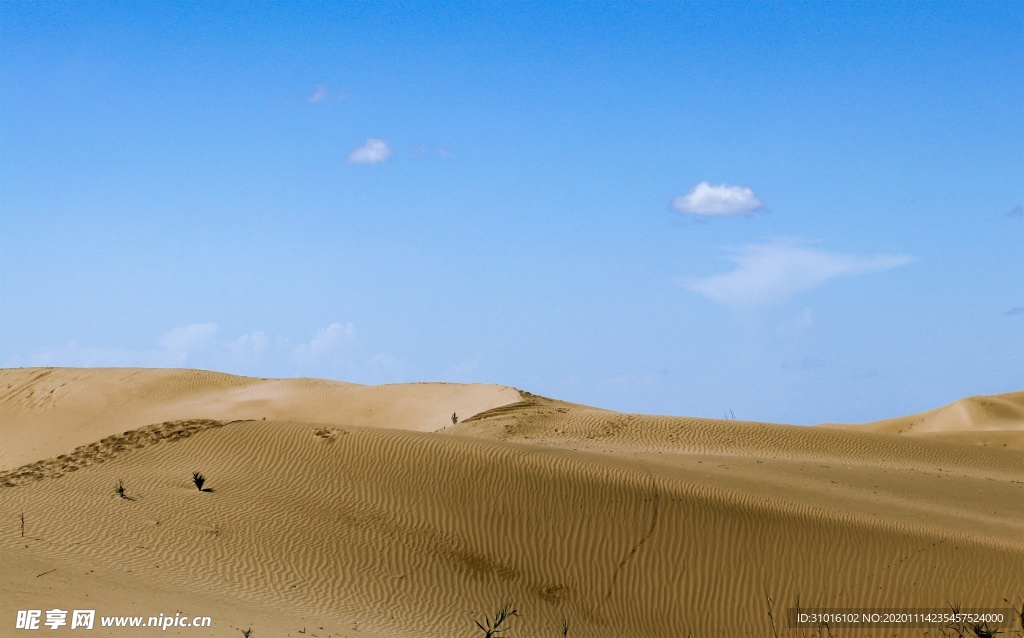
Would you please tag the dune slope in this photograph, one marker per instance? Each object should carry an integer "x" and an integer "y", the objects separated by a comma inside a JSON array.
[
  {"x": 995, "y": 420},
  {"x": 49, "y": 411},
  {"x": 625, "y": 525}
]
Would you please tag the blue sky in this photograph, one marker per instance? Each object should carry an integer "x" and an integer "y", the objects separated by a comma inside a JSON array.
[{"x": 798, "y": 212}]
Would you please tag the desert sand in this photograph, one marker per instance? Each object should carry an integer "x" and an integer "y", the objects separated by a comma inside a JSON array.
[{"x": 336, "y": 509}]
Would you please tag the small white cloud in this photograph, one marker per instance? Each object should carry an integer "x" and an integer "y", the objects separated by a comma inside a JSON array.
[
  {"x": 373, "y": 151},
  {"x": 326, "y": 343},
  {"x": 717, "y": 201},
  {"x": 319, "y": 94},
  {"x": 333, "y": 352},
  {"x": 182, "y": 343},
  {"x": 255, "y": 342},
  {"x": 775, "y": 271},
  {"x": 248, "y": 350}
]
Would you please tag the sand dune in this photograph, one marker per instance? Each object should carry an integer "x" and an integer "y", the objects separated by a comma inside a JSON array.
[
  {"x": 361, "y": 511},
  {"x": 47, "y": 412},
  {"x": 993, "y": 421}
]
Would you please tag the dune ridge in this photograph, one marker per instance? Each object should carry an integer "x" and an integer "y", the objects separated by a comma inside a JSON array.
[
  {"x": 89, "y": 404},
  {"x": 624, "y": 524},
  {"x": 993, "y": 412},
  {"x": 995, "y": 420}
]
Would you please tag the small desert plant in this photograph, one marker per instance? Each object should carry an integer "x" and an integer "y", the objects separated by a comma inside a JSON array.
[
  {"x": 455, "y": 418},
  {"x": 983, "y": 630},
  {"x": 960, "y": 629},
  {"x": 494, "y": 628},
  {"x": 565, "y": 627},
  {"x": 1017, "y": 613},
  {"x": 770, "y": 616},
  {"x": 198, "y": 479},
  {"x": 119, "y": 489},
  {"x": 246, "y": 632}
]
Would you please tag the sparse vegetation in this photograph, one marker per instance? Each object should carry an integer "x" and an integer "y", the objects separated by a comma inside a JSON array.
[
  {"x": 455, "y": 418},
  {"x": 494, "y": 628},
  {"x": 23, "y": 524},
  {"x": 246, "y": 632},
  {"x": 968, "y": 630},
  {"x": 983, "y": 630},
  {"x": 1017, "y": 613},
  {"x": 119, "y": 490},
  {"x": 770, "y": 616},
  {"x": 199, "y": 480},
  {"x": 104, "y": 450}
]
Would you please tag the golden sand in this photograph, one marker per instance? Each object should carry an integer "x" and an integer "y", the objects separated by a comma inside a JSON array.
[{"x": 338, "y": 509}]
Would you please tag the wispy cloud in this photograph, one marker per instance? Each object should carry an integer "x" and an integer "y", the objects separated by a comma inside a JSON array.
[
  {"x": 178, "y": 345},
  {"x": 327, "y": 343},
  {"x": 372, "y": 151},
  {"x": 188, "y": 345},
  {"x": 249, "y": 350},
  {"x": 332, "y": 351},
  {"x": 717, "y": 201},
  {"x": 319, "y": 94},
  {"x": 322, "y": 93},
  {"x": 1016, "y": 211},
  {"x": 1016, "y": 310},
  {"x": 774, "y": 271}
]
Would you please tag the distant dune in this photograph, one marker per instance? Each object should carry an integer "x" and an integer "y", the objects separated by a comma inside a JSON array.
[
  {"x": 336, "y": 509},
  {"x": 994, "y": 420}
]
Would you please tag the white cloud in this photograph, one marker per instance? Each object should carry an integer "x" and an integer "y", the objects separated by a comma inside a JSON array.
[
  {"x": 373, "y": 151},
  {"x": 715, "y": 201},
  {"x": 322, "y": 93},
  {"x": 181, "y": 343},
  {"x": 325, "y": 345},
  {"x": 182, "y": 346},
  {"x": 319, "y": 94},
  {"x": 248, "y": 350},
  {"x": 333, "y": 352},
  {"x": 775, "y": 271}
]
